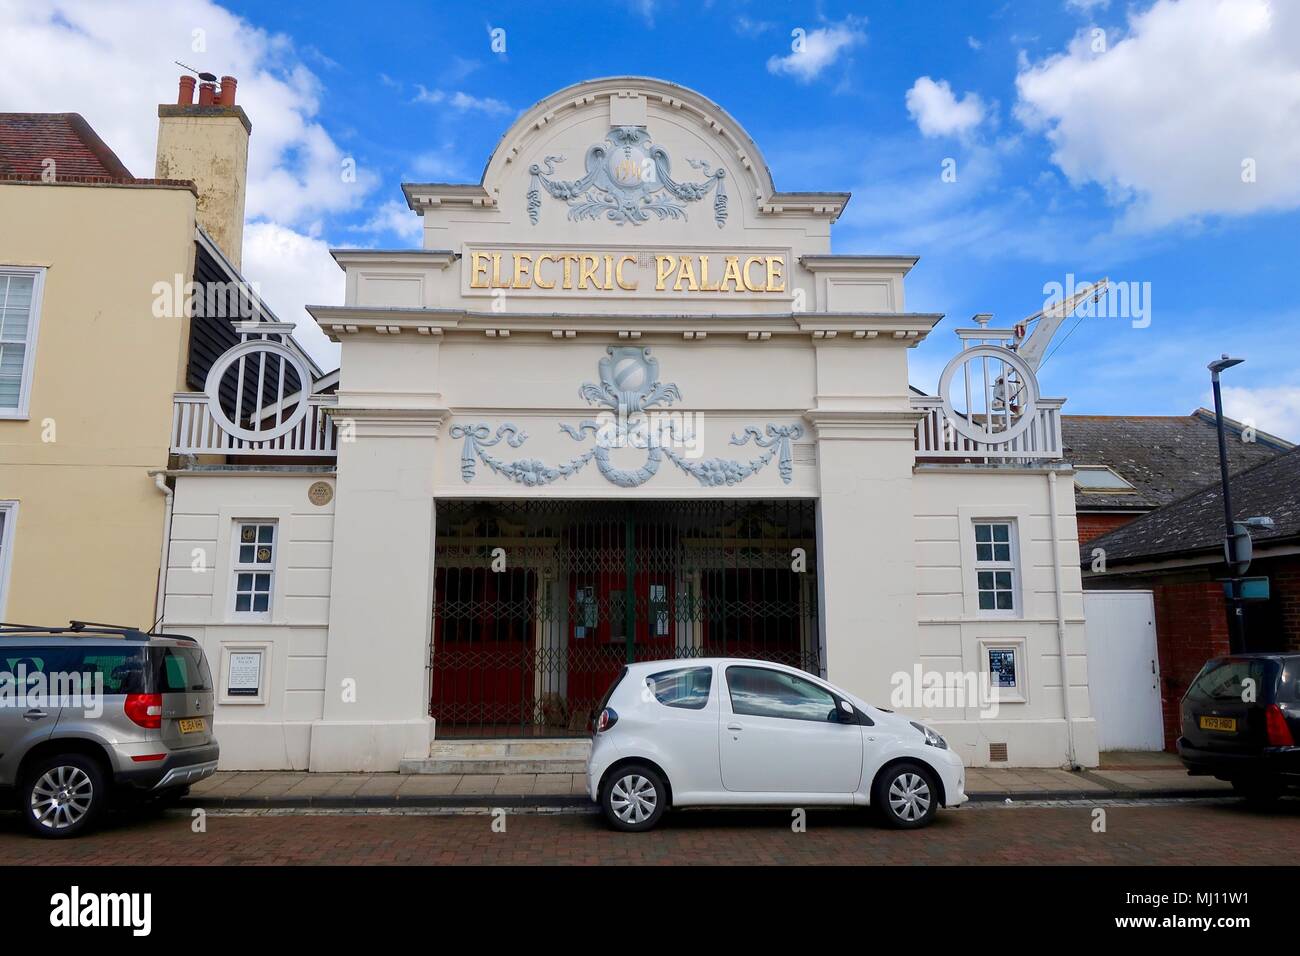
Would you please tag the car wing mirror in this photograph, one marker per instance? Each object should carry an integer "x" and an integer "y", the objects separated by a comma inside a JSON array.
[{"x": 845, "y": 713}]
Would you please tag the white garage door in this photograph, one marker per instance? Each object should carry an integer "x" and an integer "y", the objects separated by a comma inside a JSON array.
[{"x": 1124, "y": 670}]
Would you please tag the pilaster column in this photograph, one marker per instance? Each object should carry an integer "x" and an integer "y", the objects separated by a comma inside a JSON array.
[
  {"x": 381, "y": 590},
  {"x": 865, "y": 535}
]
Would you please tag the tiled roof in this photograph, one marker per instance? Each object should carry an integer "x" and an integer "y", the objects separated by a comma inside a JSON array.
[
  {"x": 1163, "y": 456},
  {"x": 1195, "y": 523},
  {"x": 27, "y": 140}
]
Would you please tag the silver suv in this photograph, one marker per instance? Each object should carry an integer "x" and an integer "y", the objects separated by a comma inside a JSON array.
[{"x": 93, "y": 715}]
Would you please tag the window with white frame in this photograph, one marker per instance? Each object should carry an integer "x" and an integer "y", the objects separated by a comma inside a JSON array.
[
  {"x": 995, "y": 567},
  {"x": 254, "y": 571},
  {"x": 20, "y": 300}
]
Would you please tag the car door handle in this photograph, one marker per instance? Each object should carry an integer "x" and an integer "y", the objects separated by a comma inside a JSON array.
[
  {"x": 734, "y": 727},
  {"x": 35, "y": 714}
]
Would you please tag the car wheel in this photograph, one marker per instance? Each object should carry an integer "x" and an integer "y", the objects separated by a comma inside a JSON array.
[
  {"x": 906, "y": 796},
  {"x": 634, "y": 797},
  {"x": 1257, "y": 793},
  {"x": 62, "y": 796}
]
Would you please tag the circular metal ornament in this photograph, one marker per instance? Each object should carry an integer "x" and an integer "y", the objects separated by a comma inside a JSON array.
[
  {"x": 965, "y": 424},
  {"x": 212, "y": 386}
]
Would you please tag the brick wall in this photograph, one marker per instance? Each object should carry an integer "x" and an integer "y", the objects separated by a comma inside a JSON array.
[
  {"x": 1284, "y": 585},
  {"x": 1191, "y": 627},
  {"x": 1095, "y": 525}
]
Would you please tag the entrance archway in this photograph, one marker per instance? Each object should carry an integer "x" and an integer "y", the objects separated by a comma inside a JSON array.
[{"x": 533, "y": 614}]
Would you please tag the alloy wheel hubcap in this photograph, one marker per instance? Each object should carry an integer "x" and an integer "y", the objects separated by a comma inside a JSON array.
[
  {"x": 61, "y": 797},
  {"x": 909, "y": 797},
  {"x": 633, "y": 798}
]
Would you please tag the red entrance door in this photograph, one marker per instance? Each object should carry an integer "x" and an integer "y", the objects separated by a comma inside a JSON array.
[
  {"x": 483, "y": 635},
  {"x": 599, "y": 623}
]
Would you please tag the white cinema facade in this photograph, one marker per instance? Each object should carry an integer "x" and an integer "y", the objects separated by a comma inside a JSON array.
[{"x": 623, "y": 404}]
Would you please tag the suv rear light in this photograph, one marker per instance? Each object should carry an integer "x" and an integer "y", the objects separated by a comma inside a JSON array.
[
  {"x": 1279, "y": 734},
  {"x": 144, "y": 710},
  {"x": 607, "y": 719}
]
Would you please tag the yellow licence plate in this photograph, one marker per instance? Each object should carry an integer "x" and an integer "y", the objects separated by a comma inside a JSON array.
[
  {"x": 195, "y": 725},
  {"x": 1219, "y": 723}
]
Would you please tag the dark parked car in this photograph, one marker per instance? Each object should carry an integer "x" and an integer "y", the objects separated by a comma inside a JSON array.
[{"x": 1241, "y": 721}]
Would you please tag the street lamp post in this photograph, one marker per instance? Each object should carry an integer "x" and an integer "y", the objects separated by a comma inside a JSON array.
[{"x": 1236, "y": 622}]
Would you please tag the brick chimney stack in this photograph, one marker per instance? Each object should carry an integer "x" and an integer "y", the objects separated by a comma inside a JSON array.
[{"x": 207, "y": 142}]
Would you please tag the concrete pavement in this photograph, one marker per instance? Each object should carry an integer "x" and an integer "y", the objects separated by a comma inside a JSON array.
[{"x": 1124, "y": 776}]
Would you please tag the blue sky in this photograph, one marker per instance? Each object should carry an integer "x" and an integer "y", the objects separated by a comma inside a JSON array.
[{"x": 1089, "y": 138}]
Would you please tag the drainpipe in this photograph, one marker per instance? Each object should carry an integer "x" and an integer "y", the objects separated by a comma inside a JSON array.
[
  {"x": 1060, "y": 620},
  {"x": 160, "y": 601}
]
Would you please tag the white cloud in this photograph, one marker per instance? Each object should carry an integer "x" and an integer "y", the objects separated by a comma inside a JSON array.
[
  {"x": 818, "y": 49},
  {"x": 461, "y": 101},
  {"x": 1275, "y": 410},
  {"x": 105, "y": 60},
  {"x": 1165, "y": 119},
  {"x": 110, "y": 61},
  {"x": 974, "y": 43},
  {"x": 394, "y": 217},
  {"x": 938, "y": 112},
  {"x": 1087, "y": 6},
  {"x": 291, "y": 270}
]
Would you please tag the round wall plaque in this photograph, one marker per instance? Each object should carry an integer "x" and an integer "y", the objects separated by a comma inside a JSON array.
[{"x": 320, "y": 493}]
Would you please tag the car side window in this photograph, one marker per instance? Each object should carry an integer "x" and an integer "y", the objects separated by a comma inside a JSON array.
[
  {"x": 21, "y": 667},
  {"x": 686, "y": 687},
  {"x": 760, "y": 692}
]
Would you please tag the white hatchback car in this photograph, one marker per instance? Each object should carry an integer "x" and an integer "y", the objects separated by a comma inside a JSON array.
[{"x": 726, "y": 732}]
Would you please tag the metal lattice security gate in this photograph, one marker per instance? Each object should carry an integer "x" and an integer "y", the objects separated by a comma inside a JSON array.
[{"x": 533, "y": 614}]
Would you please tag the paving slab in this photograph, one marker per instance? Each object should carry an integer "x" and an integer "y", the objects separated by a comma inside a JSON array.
[
  {"x": 1173, "y": 780},
  {"x": 429, "y": 785},
  {"x": 553, "y": 783},
  {"x": 477, "y": 784},
  {"x": 381, "y": 785},
  {"x": 520, "y": 783}
]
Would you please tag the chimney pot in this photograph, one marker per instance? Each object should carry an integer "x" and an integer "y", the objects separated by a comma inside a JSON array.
[
  {"x": 227, "y": 94},
  {"x": 185, "y": 96},
  {"x": 207, "y": 94}
]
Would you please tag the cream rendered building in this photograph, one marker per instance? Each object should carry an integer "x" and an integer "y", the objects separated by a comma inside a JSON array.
[
  {"x": 87, "y": 376},
  {"x": 626, "y": 403},
  {"x": 115, "y": 294}
]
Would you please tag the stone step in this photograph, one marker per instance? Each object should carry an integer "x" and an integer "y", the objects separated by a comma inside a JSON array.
[
  {"x": 503, "y": 755},
  {"x": 558, "y": 748},
  {"x": 491, "y": 766}
]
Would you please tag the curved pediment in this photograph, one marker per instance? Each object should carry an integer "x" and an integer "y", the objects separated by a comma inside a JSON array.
[{"x": 621, "y": 154}]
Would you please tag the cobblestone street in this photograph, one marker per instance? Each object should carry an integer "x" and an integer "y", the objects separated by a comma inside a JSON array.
[{"x": 1171, "y": 832}]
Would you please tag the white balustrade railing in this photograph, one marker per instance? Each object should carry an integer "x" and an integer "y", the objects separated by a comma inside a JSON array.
[
  {"x": 195, "y": 431},
  {"x": 936, "y": 437}
]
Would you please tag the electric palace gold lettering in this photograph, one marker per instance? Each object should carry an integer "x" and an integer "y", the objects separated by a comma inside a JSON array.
[{"x": 606, "y": 272}]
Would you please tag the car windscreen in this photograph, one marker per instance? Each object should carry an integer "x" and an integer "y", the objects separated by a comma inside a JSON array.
[
  {"x": 1235, "y": 680},
  {"x": 180, "y": 669}
]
